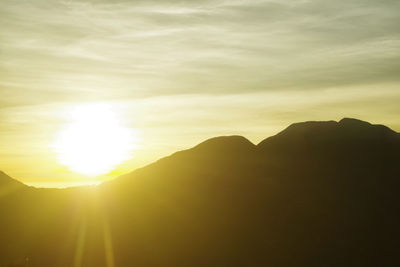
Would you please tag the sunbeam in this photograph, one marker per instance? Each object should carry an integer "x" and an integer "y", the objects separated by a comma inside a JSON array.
[
  {"x": 80, "y": 243},
  {"x": 108, "y": 245}
]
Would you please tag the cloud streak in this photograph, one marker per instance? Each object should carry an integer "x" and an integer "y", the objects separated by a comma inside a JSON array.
[
  {"x": 184, "y": 71},
  {"x": 75, "y": 49}
]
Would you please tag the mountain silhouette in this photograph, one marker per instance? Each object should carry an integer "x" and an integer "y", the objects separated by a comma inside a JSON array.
[
  {"x": 9, "y": 185},
  {"x": 6, "y": 180},
  {"x": 316, "y": 194}
]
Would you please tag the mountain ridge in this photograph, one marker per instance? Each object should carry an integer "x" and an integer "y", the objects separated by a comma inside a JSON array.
[
  {"x": 315, "y": 194},
  {"x": 238, "y": 144}
]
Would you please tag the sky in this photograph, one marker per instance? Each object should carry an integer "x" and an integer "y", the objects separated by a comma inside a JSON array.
[{"x": 179, "y": 72}]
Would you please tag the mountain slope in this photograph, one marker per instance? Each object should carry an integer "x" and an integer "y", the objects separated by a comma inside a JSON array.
[
  {"x": 350, "y": 134},
  {"x": 300, "y": 198},
  {"x": 6, "y": 180},
  {"x": 316, "y": 194}
]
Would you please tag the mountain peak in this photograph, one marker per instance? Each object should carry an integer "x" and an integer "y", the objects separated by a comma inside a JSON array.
[
  {"x": 315, "y": 133},
  {"x": 364, "y": 127},
  {"x": 310, "y": 125},
  {"x": 225, "y": 144},
  {"x": 354, "y": 122}
]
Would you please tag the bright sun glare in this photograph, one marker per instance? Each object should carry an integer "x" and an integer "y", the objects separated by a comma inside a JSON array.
[{"x": 94, "y": 141}]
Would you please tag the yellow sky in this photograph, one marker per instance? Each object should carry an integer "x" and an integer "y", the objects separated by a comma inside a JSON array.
[{"x": 180, "y": 72}]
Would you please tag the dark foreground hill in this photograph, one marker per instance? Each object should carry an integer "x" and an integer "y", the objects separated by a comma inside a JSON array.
[{"x": 316, "y": 194}]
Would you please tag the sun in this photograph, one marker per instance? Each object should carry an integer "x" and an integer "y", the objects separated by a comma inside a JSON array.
[{"x": 93, "y": 141}]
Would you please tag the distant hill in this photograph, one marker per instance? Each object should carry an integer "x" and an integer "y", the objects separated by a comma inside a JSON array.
[
  {"x": 316, "y": 194},
  {"x": 6, "y": 180},
  {"x": 9, "y": 185}
]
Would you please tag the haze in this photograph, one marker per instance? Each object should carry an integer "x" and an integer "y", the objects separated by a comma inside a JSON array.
[{"x": 179, "y": 72}]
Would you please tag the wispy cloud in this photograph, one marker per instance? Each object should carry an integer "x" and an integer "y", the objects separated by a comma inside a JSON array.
[
  {"x": 142, "y": 48},
  {"x": 173, "y": 65}
]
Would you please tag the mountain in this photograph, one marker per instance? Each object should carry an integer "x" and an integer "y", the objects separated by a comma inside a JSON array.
[
  {"x": 6, "y": 181},
  {"x": 9, "y": 186},
  {"x": 331, "y": 137},
  {"x": 316, "y": 194}
]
